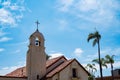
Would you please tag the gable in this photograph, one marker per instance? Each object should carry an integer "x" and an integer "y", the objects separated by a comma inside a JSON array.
[
  {"x": 66, "y": 68},
  {"x": 73, "y": 63}
]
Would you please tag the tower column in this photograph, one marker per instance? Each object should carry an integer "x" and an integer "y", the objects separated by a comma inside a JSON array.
[{"x": 36, "y": 57}]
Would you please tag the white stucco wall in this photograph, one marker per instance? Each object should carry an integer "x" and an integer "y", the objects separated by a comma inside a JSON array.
[
  {"x": 81, "y": 73},
  {"x": 66, "y": 73},
  {"x": 55, "y": 77}
]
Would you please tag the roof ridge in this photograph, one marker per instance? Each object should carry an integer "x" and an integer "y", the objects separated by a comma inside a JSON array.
[
  {"x": 61, "y": 67},
  {"x": 57, "y": 57},
  {"x": 54, "y": 60}
]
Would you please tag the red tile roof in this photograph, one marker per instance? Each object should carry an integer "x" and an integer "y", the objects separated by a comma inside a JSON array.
[
  {"x": 12, "y": 77},
  {"x": 52, "y": 61},
  {"x": 21, "y": 72},
  {"x": 59, "y": 68}
]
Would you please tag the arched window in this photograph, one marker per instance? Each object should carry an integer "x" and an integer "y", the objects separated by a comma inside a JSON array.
[{"x": 37, "y": 42}]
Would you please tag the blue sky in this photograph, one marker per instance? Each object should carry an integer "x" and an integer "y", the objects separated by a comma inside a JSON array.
[{"x": 65, "y": 25}]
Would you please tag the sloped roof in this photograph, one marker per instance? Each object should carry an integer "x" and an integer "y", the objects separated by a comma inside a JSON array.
[
  {"x": 59, "y": 68},
  {"x": 52, "y": 61},
  {"x": 21, "y": 72}
]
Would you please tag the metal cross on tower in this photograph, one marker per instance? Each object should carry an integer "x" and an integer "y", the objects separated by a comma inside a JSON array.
[{"x": 37, "y": 23}]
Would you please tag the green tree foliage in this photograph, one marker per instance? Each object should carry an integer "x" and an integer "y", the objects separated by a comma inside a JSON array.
[
  {"x": 102, "y": 60},
  {"x": 91, "y": 68}
]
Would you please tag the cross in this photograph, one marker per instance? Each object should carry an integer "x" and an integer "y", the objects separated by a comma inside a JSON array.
[{"x": 37, "y": 24}]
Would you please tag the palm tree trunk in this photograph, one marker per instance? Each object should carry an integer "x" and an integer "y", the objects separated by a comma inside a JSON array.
[
  {"x": 100, "y": 60},
  {"x": 112, "y": 71}
]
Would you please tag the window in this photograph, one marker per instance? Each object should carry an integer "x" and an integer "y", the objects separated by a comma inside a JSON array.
[
  {"x": 37, "y": 77},
  {"x": 74, "y": 73},
  {"x": 37, "y": 42}
]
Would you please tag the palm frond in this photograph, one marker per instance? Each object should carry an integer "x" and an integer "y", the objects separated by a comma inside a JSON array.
[
  {"x": 90, "y": 36},
  {"x": 104, "y": 65},
  {"x": 96, "y": 61},
  {"x": 109, "y": 59},
  {"x": 97, "y": 35},
  {"x": 95, "y": 41},
  {"x": 95, "y": 69}
]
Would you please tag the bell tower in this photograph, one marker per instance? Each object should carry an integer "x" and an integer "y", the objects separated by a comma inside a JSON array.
[{"x": 36, "y": 57}]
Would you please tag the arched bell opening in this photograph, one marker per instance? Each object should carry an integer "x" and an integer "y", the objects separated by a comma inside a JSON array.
[{"x": 37, "y": 42}]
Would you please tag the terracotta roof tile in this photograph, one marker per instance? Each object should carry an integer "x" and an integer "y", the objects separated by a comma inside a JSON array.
[
  {"x": 52, "y": 61},
  {"x": 59, "y": 68},
  {"x": 20, "y": 72},
  {"x": 12, "y": 77}
]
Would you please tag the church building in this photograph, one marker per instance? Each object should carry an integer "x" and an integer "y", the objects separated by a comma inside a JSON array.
[{"x": 38, "y": 68}]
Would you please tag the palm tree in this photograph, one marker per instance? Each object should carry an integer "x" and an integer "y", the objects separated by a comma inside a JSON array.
[
  {"x": 110, "y": 60},
  {"x": 96, "y": 36},
  {"x": 91, "y": 68},
  {"x": 102, "y": 60}
]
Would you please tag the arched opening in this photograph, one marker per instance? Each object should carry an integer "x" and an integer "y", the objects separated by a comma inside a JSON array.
[{"x": 37, "y": 41}]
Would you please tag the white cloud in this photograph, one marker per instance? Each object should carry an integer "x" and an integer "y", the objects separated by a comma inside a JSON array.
[
  {"x": 20, "y": 43},
  {"x": 6, "y": 17},
  {"x": 2, "y": 33},
  {"x": 4, "y": 39},
  {"x": 111, "y": 51},
  {"x": 116, "y": 65},
  {"x": 86, "y": 5},
  {"x": 54, "y": 55},
  {"x": 97, "y": 11},
  {"x": 8, "y": 69},
  {"x": 17, "y": 51},
  {"x": 1, "y": 49},
  {"x": 64, "y": 5},
  {"x": 104, "y": 52},
  {"x": 10, "y": 12},
  {"x": 6, "y": 3},
  {"x": 78, "y": 52},
  {"x": 63, "y": 24}
]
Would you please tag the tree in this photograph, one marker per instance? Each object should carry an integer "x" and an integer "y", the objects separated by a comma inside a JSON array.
[
  {"x": 96, "y": 36},
  {"x": 102, "y": 60},
  {"x": 110, "y": 60},
  {"x": 91, "y": 69}
]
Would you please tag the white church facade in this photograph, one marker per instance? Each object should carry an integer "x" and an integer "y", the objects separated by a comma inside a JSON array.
[{"x": 38, "y": 68}]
